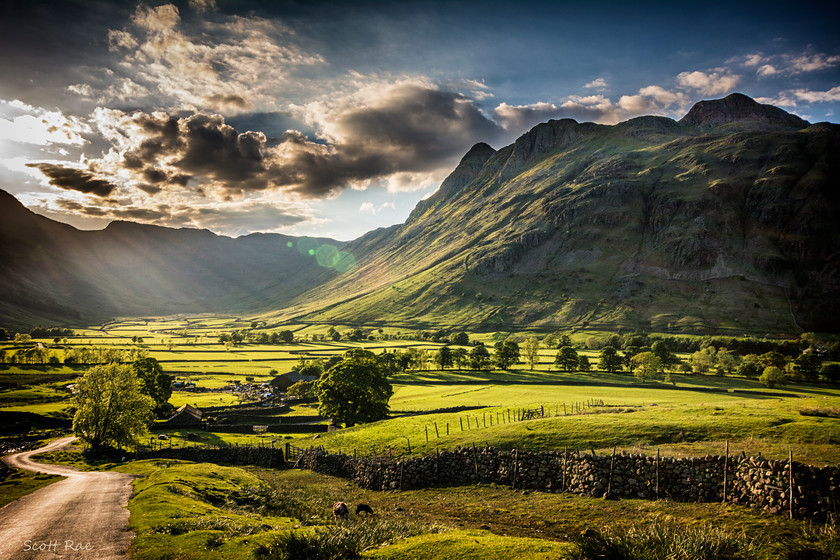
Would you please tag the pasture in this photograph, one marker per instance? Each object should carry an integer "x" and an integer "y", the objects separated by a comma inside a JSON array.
[{"x": 695, "y": 415}]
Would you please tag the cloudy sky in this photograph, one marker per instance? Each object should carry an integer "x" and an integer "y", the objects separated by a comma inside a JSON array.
[{"x": 333, "y": 118}]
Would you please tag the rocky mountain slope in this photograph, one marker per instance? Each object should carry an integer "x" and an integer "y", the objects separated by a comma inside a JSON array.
[{"x": 726, "y": 220}]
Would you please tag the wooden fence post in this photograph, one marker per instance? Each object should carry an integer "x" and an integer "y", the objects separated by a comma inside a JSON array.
[
  {"x": 427, "y": 433},
  {"x": 790, "y": 481},
  {"x": 461, "y": 420},
  {"x": 437, "y": 434},
  {"x": 563, "y": 486},
  {"x": 657, "y": 473},
  {"x": 475, "y": 459},
  {"x": 612, "y": 467},
  {"x": 725, "y": 470},
  {"x": 515, "y": 467}
]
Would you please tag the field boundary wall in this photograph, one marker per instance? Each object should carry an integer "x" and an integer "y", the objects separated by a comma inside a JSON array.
[{"x": 754, "y": 482}]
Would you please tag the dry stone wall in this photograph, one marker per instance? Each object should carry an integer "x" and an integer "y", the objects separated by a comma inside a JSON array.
[
  {"x": 754, "y": 482},
  {"x": 233, "y": 455}
]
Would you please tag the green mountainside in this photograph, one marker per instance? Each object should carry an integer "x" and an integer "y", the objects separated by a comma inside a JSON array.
[{"x": 726, "y": 220}]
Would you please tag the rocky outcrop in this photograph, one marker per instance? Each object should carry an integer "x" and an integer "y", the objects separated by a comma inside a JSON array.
[{"x": 739, "y": 107}]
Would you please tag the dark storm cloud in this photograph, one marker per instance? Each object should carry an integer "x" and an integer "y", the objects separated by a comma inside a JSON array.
[
  {"x": 141, "y": 214},
  {"x": 427, "y": 124},
  {"x": 404, "y": 128},
  {"x": 74, "y": 179},
  {"x": 75, "y": 207}
]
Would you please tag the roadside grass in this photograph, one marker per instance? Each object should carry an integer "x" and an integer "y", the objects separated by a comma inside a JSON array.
[
  {"x": 202, "y": 511},
  {"x": 16, "y": 483}
]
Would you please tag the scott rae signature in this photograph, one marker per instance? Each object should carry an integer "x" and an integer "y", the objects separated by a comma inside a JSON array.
[{"x": 56, "y": 546}]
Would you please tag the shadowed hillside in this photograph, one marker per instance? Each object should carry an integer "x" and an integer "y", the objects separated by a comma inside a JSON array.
[{"x": 53, "y": 273}]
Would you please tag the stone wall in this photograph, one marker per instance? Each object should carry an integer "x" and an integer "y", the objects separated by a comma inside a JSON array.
[
  {"x": 754, "y": 482},
  {"x": 233, "y": 455}
]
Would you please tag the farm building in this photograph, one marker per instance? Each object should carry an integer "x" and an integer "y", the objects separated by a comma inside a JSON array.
[
  {"x": 281, "y": 383},
  {"x": 185, "y": 416}
]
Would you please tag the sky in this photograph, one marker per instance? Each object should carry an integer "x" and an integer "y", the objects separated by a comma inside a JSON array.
[{"x": 315, "y": 118}]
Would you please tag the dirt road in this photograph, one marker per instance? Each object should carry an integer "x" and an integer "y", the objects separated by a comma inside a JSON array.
[{"x": 83, "y": 516}]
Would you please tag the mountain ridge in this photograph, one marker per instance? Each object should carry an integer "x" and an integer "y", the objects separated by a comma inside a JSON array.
[
  {"x": 566, "y": 182},
  {"x": 723, "y": 220}
]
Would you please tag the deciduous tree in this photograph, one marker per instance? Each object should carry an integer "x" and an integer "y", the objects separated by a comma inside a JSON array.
[
  {"x": 772, "y": 376},
  {"x": 354, "y": 390},
  {"x": 443, "y": 357},
  {"x": 531, "y": 347},
  {"x": 566, "y": 359},
  {"x": 506, "y": 354},
  {"x": 111, "y": 409},
  {"x": 609, "y": 359},
  {"x": 155, "y": 383},
  {"x": 479, "y": 357},
  {"x": 645, "y": 365}
]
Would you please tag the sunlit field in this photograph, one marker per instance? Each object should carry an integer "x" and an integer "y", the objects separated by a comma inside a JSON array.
[{"x": 696, "y": 414}]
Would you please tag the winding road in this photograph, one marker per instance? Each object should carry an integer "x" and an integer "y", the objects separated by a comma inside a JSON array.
[{"x": 82, "y": 516}]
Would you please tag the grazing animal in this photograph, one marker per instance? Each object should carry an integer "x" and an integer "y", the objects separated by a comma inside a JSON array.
[
  {"x": 341, "y": 512},
  {"x": 364, "y": 508}
]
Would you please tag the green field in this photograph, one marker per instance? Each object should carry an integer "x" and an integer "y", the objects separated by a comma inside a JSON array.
[{"x": 220, "y": 512}]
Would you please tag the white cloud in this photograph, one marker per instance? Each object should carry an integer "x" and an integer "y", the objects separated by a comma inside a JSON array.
[
  {"x": 716, "y": 82},
  {"x": 791, "y": 97},
  {"x": 637, "y": 104},
  {"x": 519, "y": 118},
  {"x": 754, "y": 59},
  {"x": 476, "y": 89},
  {"x": 597, "y": 108},
  {"x": 665, "y": 97},
  {"x": 222, "y": 63},
  {"x": 789, "y": 64},
  {"x": 767, "y": 70},
  {"x": 818, "y": 96},
  {"x": 372, "y": 208},
  {"x": 40, "y": 126},
  {"x": 813, "y": 63},
  {"x": 598, "y": 83}
]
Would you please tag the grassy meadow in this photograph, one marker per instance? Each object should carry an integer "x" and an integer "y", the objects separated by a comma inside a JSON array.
[{"x": 208, "y": 511}]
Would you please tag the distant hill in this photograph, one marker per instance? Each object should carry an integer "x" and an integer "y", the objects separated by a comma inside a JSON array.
[
  {"x": 726, "y": 221},
  {"x": 52, "y": 273}
]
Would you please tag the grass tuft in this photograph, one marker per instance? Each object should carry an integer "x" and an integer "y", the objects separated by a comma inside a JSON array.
[
  {"x": 665, "y": 541},
  {"x": 335, "y": 543}
]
